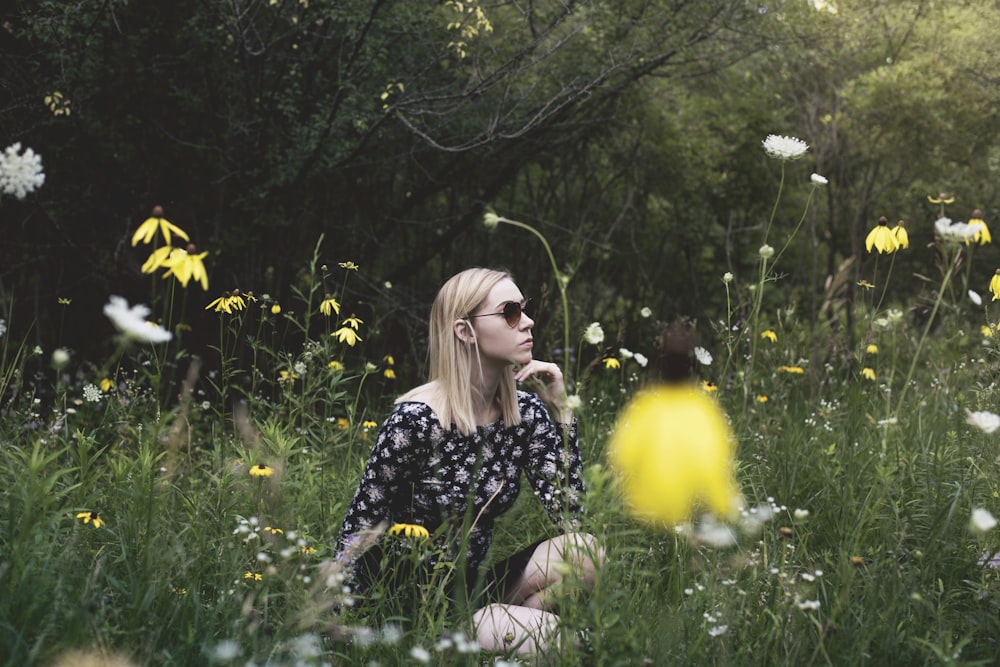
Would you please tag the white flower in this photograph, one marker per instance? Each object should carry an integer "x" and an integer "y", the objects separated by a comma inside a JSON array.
[
  {"x": 225, "y": 651},
  {"x": 60, "y": 357},
  {"x": 818, "y": 180},
  {"x": 801, "y": 514},
  {"x": 299, "y": 368},
  {"x": 91, "y": 393},
  {"x": 703, "y": 356},
  {"x": 957, "y": 232},
  {"x": 646, "y": 312},
  {"x": 784, "y": 148},
  {"x": 712, "y": 533},
  {"x": 3, "y": 327},
  {"x": 132, "y": 321},
  {"x": 20, "y": 173},
  {"x": 981, "y": 521},
  {"x": 573, "y": 402},
  {"x": 727, "y": 277},
  {"x": 975, "y": 298},
  {"x": 718, "y": 630},
  {"x": 491, "y": 220},
  {"x": 809, "y": 605},
  {"x": 766, "y": 252},
  {"x": 640, "y": 359},
  {"x": 625, "y": 353},
  {"x": 594, "y": 334},
  {"x": 987, "y": 422},
  {"x": 420, "y": 654}
]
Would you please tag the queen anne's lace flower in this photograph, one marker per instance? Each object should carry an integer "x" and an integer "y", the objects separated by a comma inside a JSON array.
[
  {"x": 132, "y": 321},
  {"x": 987, "y": 422},
  {"x": 20, "y": 173},
  {"x": 784, "y": 148}
]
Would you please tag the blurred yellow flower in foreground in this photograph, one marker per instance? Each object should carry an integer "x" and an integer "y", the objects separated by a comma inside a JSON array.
[
  {"x": 409, "y": 530},
  {"x": 673, "y": 449}
]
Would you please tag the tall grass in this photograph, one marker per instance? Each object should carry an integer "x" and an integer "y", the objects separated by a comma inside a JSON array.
[{"x": 854, "y": 548}]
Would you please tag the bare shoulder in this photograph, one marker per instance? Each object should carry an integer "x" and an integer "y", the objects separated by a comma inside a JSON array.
[{"x": 428, "y": 394}]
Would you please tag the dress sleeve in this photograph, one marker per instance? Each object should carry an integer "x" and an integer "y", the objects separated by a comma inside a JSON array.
[
  {"x": 554, "y": 467},
  {"x": 385, "y": 484}
]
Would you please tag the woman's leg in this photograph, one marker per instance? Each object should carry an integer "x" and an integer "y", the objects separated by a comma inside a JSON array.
[
  {"x": 577, "y": 554},
  {"x": 501, "y": 628}
]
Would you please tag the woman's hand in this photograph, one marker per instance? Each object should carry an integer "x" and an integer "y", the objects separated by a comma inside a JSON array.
[{"x": 546, "y": 379}]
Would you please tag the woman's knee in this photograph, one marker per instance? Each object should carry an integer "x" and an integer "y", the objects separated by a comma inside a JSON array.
[
  {"x": 502, "y": 628},
  {"x": 582, "y": 554}
]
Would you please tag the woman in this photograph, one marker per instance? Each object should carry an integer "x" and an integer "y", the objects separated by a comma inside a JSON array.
[{"x": 450, "y": 456}]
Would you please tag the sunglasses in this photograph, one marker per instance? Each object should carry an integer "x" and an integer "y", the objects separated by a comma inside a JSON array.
[{"x": 511, "y": 312}]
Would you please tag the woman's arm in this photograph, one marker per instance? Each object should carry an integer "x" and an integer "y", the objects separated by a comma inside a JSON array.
[{"x": 554, "y": 467}]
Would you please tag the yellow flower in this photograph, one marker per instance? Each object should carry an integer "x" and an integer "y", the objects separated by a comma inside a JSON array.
[
  {"x": 368, "y": 423},
  {"x": 350, "y": 266},
  {"x": 941, "y": 199},
  {"x": 770, "y": 335},
  {"x": 982, "y": 234},
  {"x": 185, "y": 265},
  {"x": 91, "y": 517},
  {"x": 329, "y": 305},
  {"x": 343, "y": 423},
  {"x": 261, "y": 470},
  {"x": 156, "y": 259},
  {"x": 709, "y": 386},
  {"x": 881, "y": 238},
  {"x": 761, "y": 398},
  {"x": 866, "y": 284},
  {"x": 63, "y": 301},
  {"x": 347, "y": 335},
  {"x": 307, "y": 550},
  {"x": 872, "y": 348},
  {"x": 147, "y": 230},
  {"x": 253, "y": 576},
  {"x": 902, "y": 237},
  {"x": 408, "y": 530},
  {"x": 274, "y": 531},
  {"x": 275, "y": 308},
  {"x": 612, "y": 362},
  {"x": 986, "y": 331},
  {"x": 868, "y": 374},
  {"x": 389, "y": 360},
  {"x": 106, "y": 384},
  {"x": 230, "y": 301},
  {"x": 287, "y": 376},
  {"x": 389, "y": 374},
  {"x": 178, "y": 591},
  {"x": 673, "y": 448},
  {"x": 352, "y": 322},
  {"x": 335, "y": 366},
  {"x": 995, "y": 285},
  {"x": 794, "y": 370}
]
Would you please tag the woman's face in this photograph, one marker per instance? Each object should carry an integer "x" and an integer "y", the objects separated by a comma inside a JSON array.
[{"x": 498, "y": 341}]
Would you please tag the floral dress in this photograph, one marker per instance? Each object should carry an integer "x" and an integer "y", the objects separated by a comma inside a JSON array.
[{"x": 422, "y": 473}]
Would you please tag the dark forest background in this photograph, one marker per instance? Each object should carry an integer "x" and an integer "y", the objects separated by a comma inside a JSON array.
[{"x": 628, "y": 132}]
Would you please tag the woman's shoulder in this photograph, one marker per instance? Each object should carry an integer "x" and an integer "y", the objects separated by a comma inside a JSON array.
[{"x": 424, "y": 400}]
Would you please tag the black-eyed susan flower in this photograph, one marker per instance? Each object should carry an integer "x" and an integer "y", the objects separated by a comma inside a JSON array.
[
  {"x": 253, "y": 576},
  {"x": 347, "y": 335},
  {"x": 673, "y": 448},
  {"x": 794, "y": 370},
  {"x": 329, "y": 306},
  {"x": 343, "y": 423},
  {"x": 350, "y": 266},
  {"x": 261, "y": 470},
  {"x": 902, "y": 237},
  {"x": 868, "y": 373},
  {"x": 865, "y": 284},
  {"x": 611, "y": 362},
  {"x": 64, "y": 301},
  {"x": 184, "y": 265},
  {"x": 881, "y": 238},
  {"x": 156, "y": 259},
  {"x": 147, "y": 230},
  {"x": 995, "y": 285},
  {"x": 368, "y": 423},
  {"x": 981, "y": 235},
  {"x": 106, "y": 384},
  {"x": 709, "y": 386},
  {"x": 871, "y": 349},
  {"x": 769, "y": 335},
  {"x": 408, "y": 530},
  {"x": 307, "y": 550},
  {"x": 91, "y": 518},
  {"x": 274, "y": 531},
  {"x": 942, "y": 198}
]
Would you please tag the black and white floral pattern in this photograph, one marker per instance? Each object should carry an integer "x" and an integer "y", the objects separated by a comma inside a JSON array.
[{"x": 421, "y": 473}]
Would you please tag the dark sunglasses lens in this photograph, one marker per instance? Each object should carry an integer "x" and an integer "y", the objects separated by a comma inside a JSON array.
[{"x": 512, "y": 311}]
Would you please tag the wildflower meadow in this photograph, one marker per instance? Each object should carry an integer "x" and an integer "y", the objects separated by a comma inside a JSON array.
[{"x": 758, "y": 504}]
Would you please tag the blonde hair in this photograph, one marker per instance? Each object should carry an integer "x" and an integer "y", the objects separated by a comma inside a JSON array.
[{"x": 451, "y": 359}]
